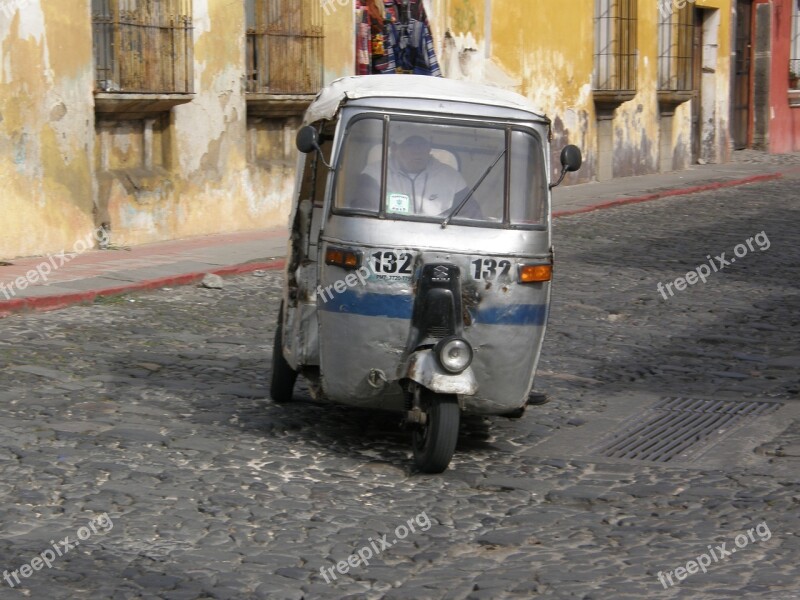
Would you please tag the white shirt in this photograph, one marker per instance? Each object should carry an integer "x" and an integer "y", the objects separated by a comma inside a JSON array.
[{"x": 430, "y": 192}]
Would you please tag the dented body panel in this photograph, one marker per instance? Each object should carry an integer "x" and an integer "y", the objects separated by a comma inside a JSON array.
[{"x": 353, "y": 328}]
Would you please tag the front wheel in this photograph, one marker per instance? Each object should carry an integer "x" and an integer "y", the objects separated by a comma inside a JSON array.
[
  {"x": 283, "y": 376},
  {"x": 435, "y": 442}
]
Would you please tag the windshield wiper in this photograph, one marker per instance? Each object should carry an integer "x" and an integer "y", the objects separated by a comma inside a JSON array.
[{"x": 461, "y": 204}]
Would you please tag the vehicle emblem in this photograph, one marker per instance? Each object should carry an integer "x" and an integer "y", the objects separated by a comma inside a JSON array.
[{"x": 441, "y": 273}]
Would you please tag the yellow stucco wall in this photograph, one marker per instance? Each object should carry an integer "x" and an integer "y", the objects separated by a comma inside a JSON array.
[
  {"x": 46, "y": 130},
  {"x": 340, "y": 46},
  {"x": 207, "y": 184},
  {"x": 544, "y": 50},
  {"x": 65, "y": 169},
  {"x": 62, "y": 170}
]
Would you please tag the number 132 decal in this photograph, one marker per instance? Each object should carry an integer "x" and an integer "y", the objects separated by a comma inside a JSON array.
[
  {"x": 490, "y": 269},
  {"x": 390, "y": 262}
]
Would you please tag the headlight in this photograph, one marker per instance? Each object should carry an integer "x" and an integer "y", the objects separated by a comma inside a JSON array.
[{"x": 454, "y": 354}]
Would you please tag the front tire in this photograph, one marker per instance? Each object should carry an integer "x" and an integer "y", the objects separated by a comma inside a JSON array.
[
  {"x": 283, "y": 376},
  {"x": 435, "y": 442}
]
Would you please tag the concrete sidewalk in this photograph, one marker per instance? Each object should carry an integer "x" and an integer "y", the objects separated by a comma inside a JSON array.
[
  {"x": 627, "y": 190},
  {"x": 98, "y": 273},
  {"x": 83, "y": 277}
]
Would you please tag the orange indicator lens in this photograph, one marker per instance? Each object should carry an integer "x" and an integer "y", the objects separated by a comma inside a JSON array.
[
  {"x": 339, "y": 257},
  {"x": 535, "y": 273}
]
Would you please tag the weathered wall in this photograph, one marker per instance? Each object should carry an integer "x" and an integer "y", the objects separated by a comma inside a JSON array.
[
  {"x": 522, "y": 46},
  {"x": 340, "y": 39},
  {"x": 219, "y": 173},
  {"x": 717, "y": 79},
  {"x": 204, "y": 167},
  {"x": 781, "y": 120},
  {"x": 202, "y": 183},
  {"x": 46, "y": 125},
  {"x": 545, "y": 52}
]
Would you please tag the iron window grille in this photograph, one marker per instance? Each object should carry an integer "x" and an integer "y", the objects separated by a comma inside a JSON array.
[
  {"x": 676, "y": 50},
  {"x": 284, "y": 46},
  {"x": 143, "y": 46},
  {"x": 615, "y": 26}
]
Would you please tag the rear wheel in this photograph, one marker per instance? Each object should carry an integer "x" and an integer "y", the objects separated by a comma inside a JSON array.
[
  {"x": 283, "y": 376},
  {"x": 435, "y": 442}
]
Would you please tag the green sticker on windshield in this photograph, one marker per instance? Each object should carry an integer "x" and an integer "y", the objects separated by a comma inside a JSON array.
[{"x": 398, "y": 204}]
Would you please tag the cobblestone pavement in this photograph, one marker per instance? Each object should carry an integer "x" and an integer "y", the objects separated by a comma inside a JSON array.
[
  {"x": 152, "y": 409},
  {"x": 764, "y": 158}
]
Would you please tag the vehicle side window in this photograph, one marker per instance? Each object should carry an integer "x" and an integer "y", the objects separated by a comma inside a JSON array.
[
  {"x": 528, "y": 186},
  {"x": 315, "y": 175},
  {"x": 359, "y": 174}
]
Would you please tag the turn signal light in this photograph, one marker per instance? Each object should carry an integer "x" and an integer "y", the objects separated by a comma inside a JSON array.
[
  {"x": 347, "y": 259},
  {"x": 535, "y": 273}
]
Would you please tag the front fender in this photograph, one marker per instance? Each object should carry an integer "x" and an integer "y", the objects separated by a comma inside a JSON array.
[{"x": 426, "y": 371}]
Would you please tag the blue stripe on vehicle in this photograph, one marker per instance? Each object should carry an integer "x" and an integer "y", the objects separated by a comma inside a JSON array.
[
  {"x": 515, "y": 314},
  {"x": 401, "y": 307},
  {"x": 368, "y": 305}
]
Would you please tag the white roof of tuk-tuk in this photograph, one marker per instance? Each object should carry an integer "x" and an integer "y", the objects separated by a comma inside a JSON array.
[{"x": 412, "y": 87}]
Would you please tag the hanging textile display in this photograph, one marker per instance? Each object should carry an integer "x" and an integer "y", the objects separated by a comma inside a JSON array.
[
  {"x": 374, "y": 53},
  {"x": 394, "y": 36}
]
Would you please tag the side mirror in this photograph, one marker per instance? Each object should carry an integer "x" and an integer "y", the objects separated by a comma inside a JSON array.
[
  {"x": 571, "y": 160},
  {"x": 308, "y": 139}
]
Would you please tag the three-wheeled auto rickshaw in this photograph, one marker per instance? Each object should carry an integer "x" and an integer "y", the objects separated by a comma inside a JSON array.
[{"x": 420, "y": 258}]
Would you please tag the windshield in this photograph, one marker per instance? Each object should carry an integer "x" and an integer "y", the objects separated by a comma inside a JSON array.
[{"x": 408, "y": 169}]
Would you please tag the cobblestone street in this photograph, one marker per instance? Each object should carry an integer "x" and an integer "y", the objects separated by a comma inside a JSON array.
[{"x": 153, "y": 409}]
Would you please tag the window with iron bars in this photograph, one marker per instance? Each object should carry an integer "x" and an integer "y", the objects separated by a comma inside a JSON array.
[
  {"x": 676, "y": 50},
  {"x": 615, "y": 45},
  {"x": 794, "y": 54},
  {"x": 143, "y": 46},
  {"x": 284, "y": 46}
]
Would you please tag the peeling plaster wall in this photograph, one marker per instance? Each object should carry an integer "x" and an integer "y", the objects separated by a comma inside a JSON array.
[
  {"x": 200, "y": 168},
  {"x": 203, "y": 168},
  {"x": 720, "y": 146},
  {"x": 204, "y": 182},
  {"x": 545, "y": 52},
  {"x": 340, "y": 39},
  {"x": 534, "y": 48},
  {"x": 46, "y": 126}
]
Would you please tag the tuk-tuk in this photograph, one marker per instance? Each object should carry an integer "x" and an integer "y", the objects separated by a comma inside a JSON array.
[{"x": 420, "y": 257}]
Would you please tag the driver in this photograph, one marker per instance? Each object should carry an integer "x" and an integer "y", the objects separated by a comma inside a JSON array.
[{"x": 418, "y": 183}]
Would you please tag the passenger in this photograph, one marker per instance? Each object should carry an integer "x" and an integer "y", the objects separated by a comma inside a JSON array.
[{"x": 417, "y": 183}]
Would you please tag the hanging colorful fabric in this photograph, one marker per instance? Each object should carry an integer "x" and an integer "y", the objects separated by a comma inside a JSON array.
[
  {"x": 385, "y": 64},
  {"x": 363, "y": 42},
  {"x": 410, "y": 35},
  {"x": 425, "y": 62},
  {"x": 394, "y": 36}
]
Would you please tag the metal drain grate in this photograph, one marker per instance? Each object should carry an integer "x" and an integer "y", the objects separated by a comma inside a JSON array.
[{"x": 675, "y": 425}]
